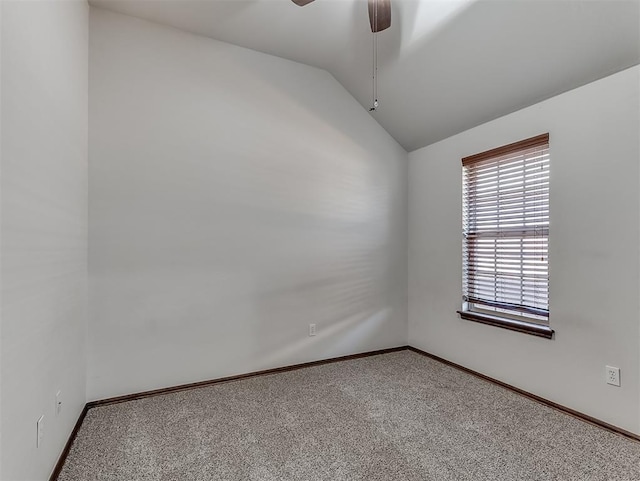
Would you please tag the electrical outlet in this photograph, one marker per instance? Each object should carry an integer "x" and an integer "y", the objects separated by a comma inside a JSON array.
[
  {"x": 40, "y": 431},
  {"x": 58, "y": 402},
  {"x": 613, "y": 376},
  {"x": 312, "y": 329}
]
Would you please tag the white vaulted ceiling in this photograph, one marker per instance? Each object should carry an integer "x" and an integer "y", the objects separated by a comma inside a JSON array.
[{"x": 444, "y": 66}]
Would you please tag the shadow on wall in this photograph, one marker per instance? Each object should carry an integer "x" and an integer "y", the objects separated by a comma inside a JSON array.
[{"x": 245, "y": 198}]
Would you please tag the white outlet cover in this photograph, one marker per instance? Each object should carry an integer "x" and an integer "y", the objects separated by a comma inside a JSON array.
[
  {"x": 613, "y": 375},
  {"x": 58, "y": 402},
  {"x": 312, "y": 329}
]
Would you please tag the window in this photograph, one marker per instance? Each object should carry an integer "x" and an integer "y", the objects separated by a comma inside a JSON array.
[{"x": 505, "y": 226}]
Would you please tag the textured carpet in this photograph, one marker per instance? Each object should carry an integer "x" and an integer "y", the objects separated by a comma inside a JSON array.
[{"x": 397, "y": 416}]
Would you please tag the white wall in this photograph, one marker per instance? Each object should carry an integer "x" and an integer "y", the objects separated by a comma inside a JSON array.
[
  {"x": 236, "y": 197},
  {"x": 44, "y": 228},
  {"x": 594, "y": 240},
  {"x": 1, "y": 3}
]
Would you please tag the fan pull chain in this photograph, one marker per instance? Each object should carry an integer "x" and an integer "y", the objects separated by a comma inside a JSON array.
[{"x": 374, "y": 74}]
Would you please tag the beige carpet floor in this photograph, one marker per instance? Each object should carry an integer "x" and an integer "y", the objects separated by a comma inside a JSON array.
[{"x": 397, "y": 416}]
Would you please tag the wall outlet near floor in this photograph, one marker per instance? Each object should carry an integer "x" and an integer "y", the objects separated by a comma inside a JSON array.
[
  {"x": 40, "y": 431},
  {"x": 613, "y": 376},
  {"x": 58, "y": 402},
  {"x": 312, "y": 329}
]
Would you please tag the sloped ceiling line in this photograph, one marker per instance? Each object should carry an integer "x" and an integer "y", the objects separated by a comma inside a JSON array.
[{"x": 444, "y": 65}]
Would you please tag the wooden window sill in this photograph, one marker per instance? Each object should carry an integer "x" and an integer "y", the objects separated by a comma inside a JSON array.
[{"x": 506, "y": 323}]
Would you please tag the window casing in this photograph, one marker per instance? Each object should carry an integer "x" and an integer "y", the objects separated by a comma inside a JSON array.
[{"x": 506, "y": 236}]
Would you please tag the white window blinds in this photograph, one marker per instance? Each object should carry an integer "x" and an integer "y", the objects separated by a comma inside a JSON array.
[{"x": 506, "y": 229}]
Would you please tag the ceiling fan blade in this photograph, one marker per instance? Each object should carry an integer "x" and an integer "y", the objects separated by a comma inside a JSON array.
[
  {"x": 380, "y": 20},
  {"x": 301, "y": 3}
]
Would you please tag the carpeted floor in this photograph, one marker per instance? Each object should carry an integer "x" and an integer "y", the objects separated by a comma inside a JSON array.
[{"x": 397, "y": 416}]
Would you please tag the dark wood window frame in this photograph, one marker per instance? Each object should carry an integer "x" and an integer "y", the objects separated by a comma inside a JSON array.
[{"x": 520, "y": 324}]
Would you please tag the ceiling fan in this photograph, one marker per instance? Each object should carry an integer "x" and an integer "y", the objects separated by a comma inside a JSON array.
[{"x": 379, "y": 13}]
